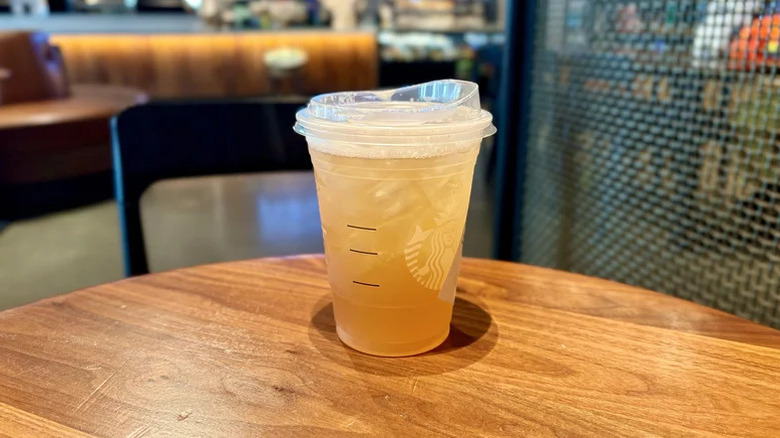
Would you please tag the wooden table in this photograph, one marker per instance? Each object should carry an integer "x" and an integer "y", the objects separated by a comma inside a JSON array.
[
  {"x": 54, "y": 139},
  {"x": 249, "y": 349}
]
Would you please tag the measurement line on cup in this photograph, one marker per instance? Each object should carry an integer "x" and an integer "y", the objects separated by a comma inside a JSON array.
[
  {"x": 364, "y": 252},
  {"x": 365, "y": 284},
  {"x": 360, "y": 228}
]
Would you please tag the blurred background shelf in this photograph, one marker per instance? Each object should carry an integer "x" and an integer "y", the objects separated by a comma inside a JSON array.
[{"x": 230, "y": 64}]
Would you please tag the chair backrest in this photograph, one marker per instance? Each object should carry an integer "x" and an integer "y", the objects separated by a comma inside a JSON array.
[
  {"x": 178, "y": 139},
  {"x": 34, "y": 68},
  {"x": 652, "y": 163}
]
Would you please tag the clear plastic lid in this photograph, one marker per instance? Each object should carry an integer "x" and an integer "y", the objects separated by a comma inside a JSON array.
[{"x": 436, "y": 110}]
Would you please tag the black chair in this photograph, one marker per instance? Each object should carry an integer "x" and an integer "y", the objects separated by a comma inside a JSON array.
[{"x": 178, "y": 139}]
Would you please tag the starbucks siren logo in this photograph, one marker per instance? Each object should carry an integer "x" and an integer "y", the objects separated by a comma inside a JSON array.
[{"x": 430, "y": 253}]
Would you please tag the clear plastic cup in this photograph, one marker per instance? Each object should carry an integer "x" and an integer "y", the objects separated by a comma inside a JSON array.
[{"x": 393, "y": 170}]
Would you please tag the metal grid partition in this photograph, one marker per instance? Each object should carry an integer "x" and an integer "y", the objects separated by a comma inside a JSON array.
[{"x": 652, "y": 154}]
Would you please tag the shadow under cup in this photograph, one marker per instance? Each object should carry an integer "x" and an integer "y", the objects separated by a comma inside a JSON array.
[{"x": 393, "y": 232}]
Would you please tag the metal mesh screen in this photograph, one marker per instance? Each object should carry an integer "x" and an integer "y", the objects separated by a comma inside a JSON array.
[{"x": 653, "y": 156}]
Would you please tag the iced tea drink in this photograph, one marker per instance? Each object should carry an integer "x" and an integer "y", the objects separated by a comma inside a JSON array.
[{"x": 393, "y": 193}]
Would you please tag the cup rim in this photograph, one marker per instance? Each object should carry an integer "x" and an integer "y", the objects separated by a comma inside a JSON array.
[
  {"x": 305, "y": 125},
  {"x": 440, "y": 108}
]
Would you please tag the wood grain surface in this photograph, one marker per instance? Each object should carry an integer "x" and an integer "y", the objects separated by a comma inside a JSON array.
[
  {"x": 218, "y": 65},
  {"x": 249, "y": 349}
]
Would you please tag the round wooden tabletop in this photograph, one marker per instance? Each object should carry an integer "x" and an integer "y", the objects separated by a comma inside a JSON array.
[
  {"x": 63, "y": 138},
  {"x": 249, "y": 349},
  {"x": 85, "y": 102}
]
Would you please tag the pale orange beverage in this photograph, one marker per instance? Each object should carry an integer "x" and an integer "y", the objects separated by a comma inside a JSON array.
[
  {"x": 393, "y": 204},
  {"x": 393, "y": 247}
]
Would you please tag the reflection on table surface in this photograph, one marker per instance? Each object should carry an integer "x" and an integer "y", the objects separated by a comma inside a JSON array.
[{"x": 190, "y": 221}]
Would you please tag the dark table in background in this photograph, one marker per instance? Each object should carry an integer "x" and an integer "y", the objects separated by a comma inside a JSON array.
[
  {"x": 56, "y": 152},
  {"x": 61, "y": 138}
]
